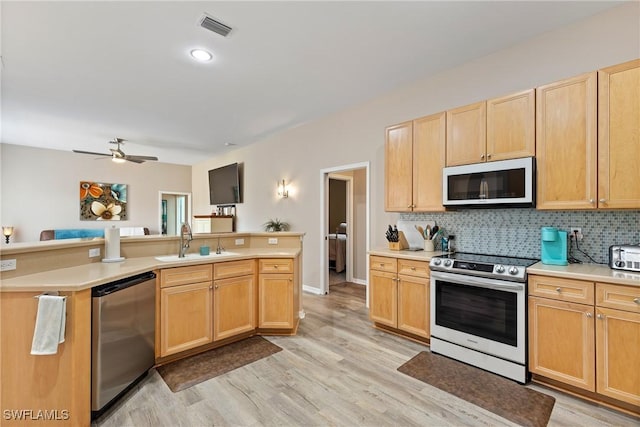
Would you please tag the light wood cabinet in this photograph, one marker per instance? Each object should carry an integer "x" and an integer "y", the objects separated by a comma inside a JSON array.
[
  {"x": 399, "y": 294},
  {"x": 619, "y": 136},
  {"x": 618, "y": 342},
  {"x": 592, "y": 346},
  {"x": 562, "y": 341},
  {"x": 185, "y": 317},
  {"x": 234, "y": 303},
  {"x": 497, "y": 129},
  {"x": 511, "y": 126},
  {"x": 276, "y": 294},
  {"x": 466, "y": 134},
  {"x": 414, "y": 158},
  {"x": 566, "y": 144}
]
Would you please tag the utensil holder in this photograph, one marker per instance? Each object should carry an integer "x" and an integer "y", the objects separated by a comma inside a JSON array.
[{"x": 428, "y": 245}]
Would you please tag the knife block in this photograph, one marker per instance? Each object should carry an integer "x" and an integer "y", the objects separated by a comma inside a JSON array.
[{"x": 400, "y": 244}]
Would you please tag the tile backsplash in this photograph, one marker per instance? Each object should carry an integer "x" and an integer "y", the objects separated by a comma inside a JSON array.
[{"x": 516, "y": 232}]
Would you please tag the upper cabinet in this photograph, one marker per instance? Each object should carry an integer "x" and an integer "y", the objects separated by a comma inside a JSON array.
[
  {"x": 466, "y": 134},
  {"x": 619, "y": 136},
  {"x": 414, "y": 158},
  {"x": 588, "y": 140},
  {"x": 511, "y": 130},
  {"x": 566, "y": 146},
  {"x": 498, "y": 129}
]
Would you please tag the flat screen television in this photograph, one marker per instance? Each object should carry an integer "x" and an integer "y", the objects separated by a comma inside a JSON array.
[{"x": 224, "y": 185}]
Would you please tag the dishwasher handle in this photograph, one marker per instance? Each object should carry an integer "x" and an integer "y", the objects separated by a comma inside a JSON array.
[{"x": 118, "y": 285}]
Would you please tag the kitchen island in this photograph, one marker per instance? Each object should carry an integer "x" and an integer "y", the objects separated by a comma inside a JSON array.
[{"x": 56, "y": 389}]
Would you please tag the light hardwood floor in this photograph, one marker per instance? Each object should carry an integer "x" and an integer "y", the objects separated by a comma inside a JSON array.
[{"x": 337, "y": 371}]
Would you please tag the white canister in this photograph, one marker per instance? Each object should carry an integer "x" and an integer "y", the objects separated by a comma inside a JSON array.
[{"x": 428, "y": 245}]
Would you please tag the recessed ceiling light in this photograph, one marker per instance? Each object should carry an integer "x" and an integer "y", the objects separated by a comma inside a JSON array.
[{"x": 201, "y": 55}]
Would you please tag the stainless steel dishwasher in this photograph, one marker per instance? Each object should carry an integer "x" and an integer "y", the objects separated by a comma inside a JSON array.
[{"x": 122, "y": 337}]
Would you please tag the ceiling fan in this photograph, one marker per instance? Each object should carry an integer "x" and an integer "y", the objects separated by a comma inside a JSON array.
[{"x": 117, "y": 155}]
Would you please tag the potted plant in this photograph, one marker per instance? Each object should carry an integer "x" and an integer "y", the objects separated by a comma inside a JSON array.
[{"x": 276, "y": 225}]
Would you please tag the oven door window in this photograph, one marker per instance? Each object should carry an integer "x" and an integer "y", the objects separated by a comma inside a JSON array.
[{"x": 486, "y": 313}]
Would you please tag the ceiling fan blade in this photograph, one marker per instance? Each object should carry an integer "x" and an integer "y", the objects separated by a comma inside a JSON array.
[
  {"x": 132, "y": 157},
  {"x": 134, "y": 160},
  {"x": 91, "y": 152}
]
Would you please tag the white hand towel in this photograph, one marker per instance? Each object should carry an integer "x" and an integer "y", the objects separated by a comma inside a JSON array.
[{"x": 50, "y": 325}]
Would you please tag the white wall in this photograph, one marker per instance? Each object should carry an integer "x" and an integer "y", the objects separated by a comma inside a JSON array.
[
  {"x": 40, "y": 189},
  {"x": 357, "y": 135}
]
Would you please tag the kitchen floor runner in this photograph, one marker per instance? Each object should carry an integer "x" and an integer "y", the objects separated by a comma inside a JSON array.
[
  {"x": 494, "y": 393},
  {"x": 195, "y": 369}
]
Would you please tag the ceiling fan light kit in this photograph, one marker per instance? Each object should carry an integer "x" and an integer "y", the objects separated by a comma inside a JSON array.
[{"x": 117, "y": 155}]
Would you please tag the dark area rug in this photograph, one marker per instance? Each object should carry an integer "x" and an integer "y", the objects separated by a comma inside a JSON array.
[
  {"x": 499, "y": 395},
  {"x": 193, "y": 370}
]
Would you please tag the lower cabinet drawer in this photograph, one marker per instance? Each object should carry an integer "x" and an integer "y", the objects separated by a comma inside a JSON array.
[
  {"x": 625, "y": 298},
  {"x": 184, "y": 275}
]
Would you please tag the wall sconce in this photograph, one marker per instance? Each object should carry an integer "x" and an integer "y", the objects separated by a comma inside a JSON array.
[
  {"x": 7, "y": 231},
  {"x": 283, "y": 191}
]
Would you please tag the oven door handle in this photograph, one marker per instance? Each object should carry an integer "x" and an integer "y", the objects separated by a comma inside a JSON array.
[{"x": 476, "y": 281}]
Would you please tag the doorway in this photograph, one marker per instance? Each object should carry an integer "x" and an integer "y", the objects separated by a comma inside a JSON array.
[
  {"x": 175, "y": 208},
  {"x": 355, "y": 230}
]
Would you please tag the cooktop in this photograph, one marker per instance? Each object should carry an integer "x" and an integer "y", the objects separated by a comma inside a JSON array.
[{"x": 493, "y": 266}]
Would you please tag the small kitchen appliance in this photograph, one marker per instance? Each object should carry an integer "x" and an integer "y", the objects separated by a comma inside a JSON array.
[
  {"x": 553, "y": 246},
  {"x": 478, "y": 311},
  {"x": 625, "y": 257}
]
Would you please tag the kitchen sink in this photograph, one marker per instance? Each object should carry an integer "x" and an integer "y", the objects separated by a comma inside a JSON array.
[{"x": 193, "y": 257}]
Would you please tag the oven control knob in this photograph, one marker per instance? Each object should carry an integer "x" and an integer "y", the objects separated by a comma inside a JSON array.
[
  {"x": 436, "y": 261},
  {"x": 620, "y": 264},
  {"x": 447, "y": 263},
  {"x": 499, "y": 268},
  {"x": 513, "y": 270}
]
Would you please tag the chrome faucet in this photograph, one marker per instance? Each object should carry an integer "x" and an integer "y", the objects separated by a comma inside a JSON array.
[
  {"x": 185, "y": 238},
  {"x": 219, "y": 249}
]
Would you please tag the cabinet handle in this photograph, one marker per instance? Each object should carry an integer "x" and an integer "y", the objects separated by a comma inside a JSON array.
[
  {"x": 603, "y": 200},
  {"x": 210, "y": 287},
  {"x": 381, "y": 265},
  {"x": 558, "y": 290},
  {"x": 290, "y": 279},
  {"x": 591, "y": 201},
  {"x": 636, "y": 300},
  {"x": 408, "y": 206},
  {"x": 216, "y": 286},
  {"x": 413, "y": 268},
  {"x": 589, "y": 314},
  {"x": 275, "y": 266},
  {"x": 600, "y": 316},
  {"x": 481, "y": 156},
  {"x": 488, "y": 156}
]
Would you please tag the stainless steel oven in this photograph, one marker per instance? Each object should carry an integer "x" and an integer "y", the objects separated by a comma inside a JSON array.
[{"x": 478, "y": 311}]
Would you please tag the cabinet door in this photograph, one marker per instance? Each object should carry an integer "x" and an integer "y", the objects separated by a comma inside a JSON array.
[
  {"x": 413, "y": 305},
  {"x": 383, "y": 298},
  {"x": 467, "y": 134},
  {"x": 619, "y": 136},
  {"x": 233, "y": 307},
  {"x": 511, "y": 125},
  {"x": 618, "y": 354},
  {"x": 398, "y": 174},
  {"x": 566, "y": 147},
  {"x": 561, "y": 341},
  {"x": 429, "y": 147},
  {"x": 186, "y": 317},
  {"x": 275, "y": 293}
]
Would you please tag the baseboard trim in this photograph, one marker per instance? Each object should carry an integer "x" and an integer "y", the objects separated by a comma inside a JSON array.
[
  {"x": 311, "y": 290},
  {"x": 359, "y": 281}
]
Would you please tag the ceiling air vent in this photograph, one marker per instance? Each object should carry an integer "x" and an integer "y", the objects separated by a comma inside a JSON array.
[{"x": 215, "y": 26}]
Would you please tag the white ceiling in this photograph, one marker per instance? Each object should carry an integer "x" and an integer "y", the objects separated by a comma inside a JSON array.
[{"x": 76, "y": 74}]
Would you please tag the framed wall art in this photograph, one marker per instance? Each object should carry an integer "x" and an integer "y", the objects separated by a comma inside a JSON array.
[{"x": 100, "y": 201}]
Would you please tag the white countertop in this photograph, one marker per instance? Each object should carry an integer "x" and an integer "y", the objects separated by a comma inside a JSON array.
[
  {"x": 590, "y": 272},
  {"x": 98, "y": 273}
]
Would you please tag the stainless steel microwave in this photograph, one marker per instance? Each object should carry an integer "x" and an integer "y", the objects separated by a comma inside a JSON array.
[{"x": 508, "y": 183}]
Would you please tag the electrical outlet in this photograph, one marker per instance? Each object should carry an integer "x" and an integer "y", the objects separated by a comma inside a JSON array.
[
  {"x": 7, "y": 264},
  {"x": 273, "y": 240},
  {"x": 239, "y": 242},
  {"x": 575, "y": 232},
  {"x": 94, "y": 252}
]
